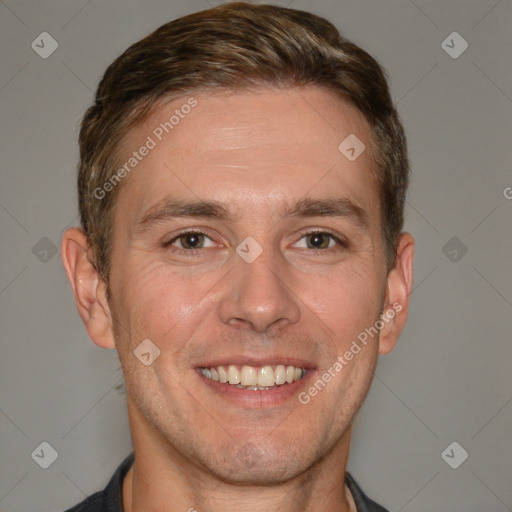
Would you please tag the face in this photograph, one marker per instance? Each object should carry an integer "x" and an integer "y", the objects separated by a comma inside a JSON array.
[{"x": 247, "y": 247}]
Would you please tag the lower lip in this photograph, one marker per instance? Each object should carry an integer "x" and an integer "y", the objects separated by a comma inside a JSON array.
[{"x": 258, "y": 398}]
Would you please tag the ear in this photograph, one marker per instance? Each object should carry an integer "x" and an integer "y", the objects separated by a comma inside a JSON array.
[
  {"x": 399, "y": 287},
  {"x": 89, "y": 288}
]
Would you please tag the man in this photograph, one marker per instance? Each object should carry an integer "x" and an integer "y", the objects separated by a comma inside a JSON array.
[{"x": 241, "y": 185}]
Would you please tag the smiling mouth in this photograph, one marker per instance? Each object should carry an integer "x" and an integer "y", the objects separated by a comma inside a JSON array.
[{"x": 254, "y": 378}]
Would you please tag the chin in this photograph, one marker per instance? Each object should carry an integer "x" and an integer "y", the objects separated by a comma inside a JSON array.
[
  {"x": 253, "y": 469},
  {"x": 265, "y": 461}
]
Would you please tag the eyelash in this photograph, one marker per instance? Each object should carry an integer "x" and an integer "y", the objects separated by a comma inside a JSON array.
[
  {"x": 185, "y": 252},
  {"x": 340, "y": 243},
  {"x": 191, "y": 252}
]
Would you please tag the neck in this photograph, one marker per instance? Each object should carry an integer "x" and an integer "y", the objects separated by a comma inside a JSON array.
[{"x": 162, "y": 480}]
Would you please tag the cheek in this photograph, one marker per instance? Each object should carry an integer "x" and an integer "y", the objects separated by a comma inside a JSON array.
[
  {"x": 349, "y": 300},
  {"x": 158, "y": 303}
]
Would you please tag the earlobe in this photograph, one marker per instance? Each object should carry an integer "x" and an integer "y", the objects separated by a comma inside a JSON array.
[
  {"x": 88, "y": 287},
  {"x": 399, "y": 287}
]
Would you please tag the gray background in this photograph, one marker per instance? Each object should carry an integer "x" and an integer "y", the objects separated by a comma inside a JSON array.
[{"x": 449, "y": 378}]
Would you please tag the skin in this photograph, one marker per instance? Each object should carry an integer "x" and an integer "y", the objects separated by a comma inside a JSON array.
[{"x": 195, "y": 447}]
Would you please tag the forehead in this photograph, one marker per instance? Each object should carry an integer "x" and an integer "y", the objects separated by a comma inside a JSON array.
[{"x": 248, "y": 147}]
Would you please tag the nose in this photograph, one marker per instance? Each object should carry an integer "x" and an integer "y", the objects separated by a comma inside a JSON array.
[{"x": 257, "y": 295}]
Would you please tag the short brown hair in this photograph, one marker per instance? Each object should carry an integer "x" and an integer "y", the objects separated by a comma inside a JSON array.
[{"x": 236, "y": 46}]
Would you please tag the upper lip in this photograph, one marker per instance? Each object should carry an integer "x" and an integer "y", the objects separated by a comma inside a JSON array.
[{"x": 257, "y": 361}]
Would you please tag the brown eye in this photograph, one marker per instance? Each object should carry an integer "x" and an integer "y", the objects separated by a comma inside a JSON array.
[
  {"x": 318, "y": 240},
  {"x": 191, "y": 240}
]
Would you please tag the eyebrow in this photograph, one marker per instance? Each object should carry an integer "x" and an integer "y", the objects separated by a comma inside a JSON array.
[
  {"x": 330, "y": 207},
  {"x": 175, "y": 208},
  {"x": 180, "y": 208}
]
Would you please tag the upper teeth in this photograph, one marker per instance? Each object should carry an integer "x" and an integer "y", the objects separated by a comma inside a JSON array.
[{"x": 263, "y": 377}]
